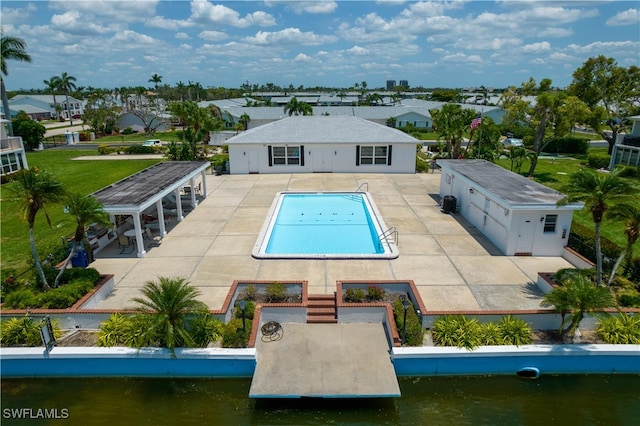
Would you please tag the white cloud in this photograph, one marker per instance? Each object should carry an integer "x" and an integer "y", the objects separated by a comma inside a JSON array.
[
  {"x": 289, "y": 36},
  {"x": 168, "y": 24},
  {"x": 72, "y": 22},
  {"x": 299, "y": 7},
  {"x": 556, "y": 32},
  {"x": 182, "y": 36},
  {"x": 122, "y": 11},
  {"x": 357, "y": 50},
  {"x": 628, "y": 17},
  {"x": 10, "y": 15},
  {"x": 538, "y": 47},
  {"x": 213, "y": 35},
  {"x": 607, "y": 46},
  {"x": 301, "y": 57},
  {"x": 203, "y": 11}
]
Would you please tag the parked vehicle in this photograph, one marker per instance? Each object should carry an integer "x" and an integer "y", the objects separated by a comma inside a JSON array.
[
  {"x": 77, "y": 116},
  {"x": 512, "y": 142},
  {"x": 152, "y": 142}
]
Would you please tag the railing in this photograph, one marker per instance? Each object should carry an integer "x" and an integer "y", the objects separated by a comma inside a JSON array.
[
  {"x": 11, "y": 143},
  {"x": 363, "y": 184},
  {"x": 391, "y": 232}
]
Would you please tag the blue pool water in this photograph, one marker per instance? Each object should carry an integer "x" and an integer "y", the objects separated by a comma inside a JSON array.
[{"x": 323, "y": 224}]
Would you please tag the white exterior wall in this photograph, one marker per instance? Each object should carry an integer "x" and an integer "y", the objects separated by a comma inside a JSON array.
[
  {"x": 318, "y": 158},
  {"x": 511, "y": 229}
]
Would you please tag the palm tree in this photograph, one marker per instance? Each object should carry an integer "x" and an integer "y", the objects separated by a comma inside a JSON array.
[
  {"x": 245, "y": 119},
  {"x": 295, "y": 107},
  {"x": 577, "y": 296},
  {"x": 597, "y": 191},
  {"x": 33, "y": 190},
  {"x": 52, "y": 84},
  {"x": 66, "y": 84},
  {"x": 85, "y": 210},
  {"x": 156, "y": 79},
  {"x": 10, "y": 48},
  {"x": 170, "y": 301},
  {"x": 631, "y": 214}
]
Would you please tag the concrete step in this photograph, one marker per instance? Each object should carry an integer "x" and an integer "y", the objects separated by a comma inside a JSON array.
[
  {"x": 322, "y": 320},
  {"x": 321, "y": 311}
]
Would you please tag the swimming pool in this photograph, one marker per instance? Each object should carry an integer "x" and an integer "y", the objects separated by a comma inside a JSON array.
[{"x": 323, "y": 225}]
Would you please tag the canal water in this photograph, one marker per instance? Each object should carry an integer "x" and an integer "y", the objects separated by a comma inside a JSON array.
[{"x": 500, "y": 400}]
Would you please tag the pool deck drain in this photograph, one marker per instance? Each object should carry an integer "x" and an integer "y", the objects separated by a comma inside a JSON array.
[{"x": 325, "y": 361}]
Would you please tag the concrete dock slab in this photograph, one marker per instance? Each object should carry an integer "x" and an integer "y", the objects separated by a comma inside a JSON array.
[{"x": 325, "y": 361}]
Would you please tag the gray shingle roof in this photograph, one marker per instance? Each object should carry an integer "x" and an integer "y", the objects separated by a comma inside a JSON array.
[
  {"x": 322, "y": 129},
  {"x": 508, "y": 186}
]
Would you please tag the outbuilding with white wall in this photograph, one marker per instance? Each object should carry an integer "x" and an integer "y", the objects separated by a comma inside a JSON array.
[
  {"x": 519, "y": 216},
  {"x": 322, "y": 144}
]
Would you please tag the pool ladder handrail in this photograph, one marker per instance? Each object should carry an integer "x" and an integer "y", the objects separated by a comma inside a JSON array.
[
  {"x": 389, "y": 233},
  {"x": 361, "y": 185}
]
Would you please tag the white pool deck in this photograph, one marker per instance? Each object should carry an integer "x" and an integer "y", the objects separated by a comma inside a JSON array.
[{"x": 452, "y": 265}]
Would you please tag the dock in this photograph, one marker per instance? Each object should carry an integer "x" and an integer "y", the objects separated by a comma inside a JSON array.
[{"x": 341, "y": 360}]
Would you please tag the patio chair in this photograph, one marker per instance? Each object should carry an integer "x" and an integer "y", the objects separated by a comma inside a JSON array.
[
  {"x": 148, "y": 236},
  {"x": 124, "y": 243}
]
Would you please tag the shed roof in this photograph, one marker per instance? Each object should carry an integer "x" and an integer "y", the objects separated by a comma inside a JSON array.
[
  {"x": 322, "y": 129},
  {"x": 508, "y": 186},
  {"x": 138, "y": 191}
]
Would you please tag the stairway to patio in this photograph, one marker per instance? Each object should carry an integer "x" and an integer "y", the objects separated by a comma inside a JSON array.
[{"x": 321, "y": 309}]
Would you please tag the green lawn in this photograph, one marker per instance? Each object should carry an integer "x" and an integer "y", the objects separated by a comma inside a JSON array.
[
  {"x": 556, "y": 173},
  {"x": 76, "y": 176}
]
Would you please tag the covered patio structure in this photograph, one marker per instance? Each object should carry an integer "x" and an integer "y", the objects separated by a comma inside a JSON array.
[{"x": 161, "y": 186}]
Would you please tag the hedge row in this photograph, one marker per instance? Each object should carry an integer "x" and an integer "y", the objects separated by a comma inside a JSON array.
[{"x": 568, "y": 145}]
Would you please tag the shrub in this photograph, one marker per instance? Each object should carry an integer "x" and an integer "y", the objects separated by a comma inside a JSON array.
[
  {"x": 630, "y": 172},
  {"x": 276, "y": 292},
  {"x": 233, "y": 336},
  {"x": 514, "y": 331},
  {"x": 133, "y": 331},
  {"x": 64, "y": 296},
  {"x": 598, "y": 161},
  {"x": 248, "y": 310},
  {"x": 620, "y": 329},
  {"x": 127, "y": 131},
  {"x": 375, "y": 294},
  {"x": 250, "y": 292},
  {"x": 490, "y": 334},
  {"x": 205, "y": 329},
  {"x": 354, "y": 295},
  {"x": 568, "y": 145},
  {"x": 104, "y": 149},
  {"x": 414, "y": 334},
  {"x": 20, "y": 299},
  {"x": 629, "y": 299},
  {"x": 112, "y": 332},
  {"x": 24, "y": 331},
  {"x": 457, "y": 330},
  {"x": 139, "y": 149}
]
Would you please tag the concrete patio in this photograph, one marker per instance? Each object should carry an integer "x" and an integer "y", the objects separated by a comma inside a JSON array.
[{"x": 452, "y": 265}]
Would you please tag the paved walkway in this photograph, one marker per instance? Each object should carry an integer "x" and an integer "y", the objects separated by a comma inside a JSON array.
[{"x": 453, "y": 267}]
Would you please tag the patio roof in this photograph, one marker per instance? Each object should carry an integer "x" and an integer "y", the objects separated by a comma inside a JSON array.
[
  {"x": 136, "y": 193},
  {"x": 139, "y": 191}
]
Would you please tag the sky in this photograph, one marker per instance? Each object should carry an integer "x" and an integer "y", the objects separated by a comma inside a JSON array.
[{"x": 462, "y": 44}]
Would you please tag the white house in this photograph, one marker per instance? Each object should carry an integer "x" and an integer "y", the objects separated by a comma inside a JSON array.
[
  {"x": 312, "y": 144},
  {"x": 626, "y": 151},
  {"x": 46, "y": 103},
  {"x": 12, "y": 152},
  {"x": 519, "y": 216}
]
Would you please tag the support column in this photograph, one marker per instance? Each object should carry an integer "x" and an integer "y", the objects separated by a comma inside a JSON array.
[
  {"x": 160, "y": 211},
  {"x": 139, "y": 240}
]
